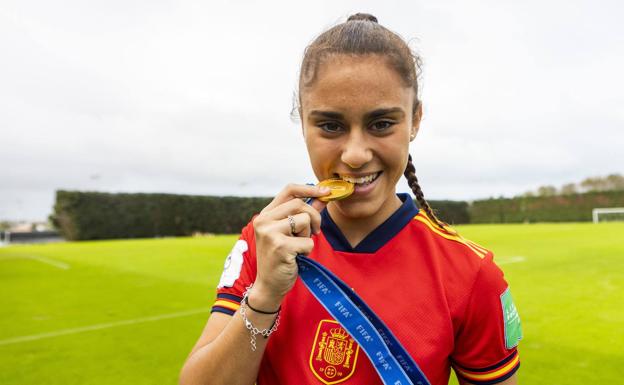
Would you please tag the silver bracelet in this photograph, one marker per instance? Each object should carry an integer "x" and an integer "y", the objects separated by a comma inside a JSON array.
[{"x": 254, "y": 331}]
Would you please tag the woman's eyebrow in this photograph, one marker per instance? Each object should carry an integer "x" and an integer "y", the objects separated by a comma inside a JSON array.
[
  {"x": 326, "y": 114},
  {"x": 383, "y": 111},
  {"x": 369, "y": 115}
]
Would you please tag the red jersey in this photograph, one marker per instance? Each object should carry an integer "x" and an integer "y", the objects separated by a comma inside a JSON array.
[{"x": 441, "y": 295}]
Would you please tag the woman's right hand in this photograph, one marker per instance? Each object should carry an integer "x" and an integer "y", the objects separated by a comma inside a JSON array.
[{"x": 277, "y": 247}]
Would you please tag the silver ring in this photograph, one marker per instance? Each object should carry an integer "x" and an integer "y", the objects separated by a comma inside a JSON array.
[{"x": 291, "y": 220}]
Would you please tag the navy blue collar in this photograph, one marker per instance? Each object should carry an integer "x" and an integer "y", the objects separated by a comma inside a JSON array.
[{"x": 378, "y": 237}]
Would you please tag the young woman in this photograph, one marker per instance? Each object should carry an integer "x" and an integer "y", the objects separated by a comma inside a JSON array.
[{"x": 442, "y": 296}]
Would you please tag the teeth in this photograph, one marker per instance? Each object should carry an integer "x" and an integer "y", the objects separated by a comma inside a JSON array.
[{"x": 364, "y": 179}]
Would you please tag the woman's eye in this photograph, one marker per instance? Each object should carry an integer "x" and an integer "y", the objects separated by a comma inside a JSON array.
[
  {"x": 330, "y": 127},
  {"x": 382, "y": 125}
]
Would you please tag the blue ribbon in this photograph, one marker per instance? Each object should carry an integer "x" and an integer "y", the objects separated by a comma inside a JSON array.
[{"x": 390, "y": 359}]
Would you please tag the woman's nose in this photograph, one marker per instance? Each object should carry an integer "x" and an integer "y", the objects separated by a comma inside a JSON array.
[{"x": 356, "y": 152}]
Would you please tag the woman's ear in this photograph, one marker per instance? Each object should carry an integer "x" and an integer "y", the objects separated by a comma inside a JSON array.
[{"x": 416, "y": 121}]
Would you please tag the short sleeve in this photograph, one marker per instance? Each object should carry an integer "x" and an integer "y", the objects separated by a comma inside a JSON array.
[
  {"x": 239, "y": 272},
  {"x": 486, "y": 341}
]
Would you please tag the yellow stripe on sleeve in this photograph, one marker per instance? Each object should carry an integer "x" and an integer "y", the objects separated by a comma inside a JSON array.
[
  {"x": 490, "y": 376},
  {"x": 477, "y": 250},
  {"x": 476, "y": 246},
  {"x": 227, "y": 304}
]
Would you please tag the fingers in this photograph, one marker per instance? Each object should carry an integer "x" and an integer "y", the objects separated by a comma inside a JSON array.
[
  {"x": 318, "y": 205},
  {"x": 298, "y": 245},
  {"x": 301, "y": 225},
  {"x": 293, "y": 191},
  {"x": 293, "y": 207},
  {"x": 285, "y": 248}
]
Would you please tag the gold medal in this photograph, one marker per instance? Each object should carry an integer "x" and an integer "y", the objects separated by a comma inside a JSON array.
[{"x": 340, "y": 189}]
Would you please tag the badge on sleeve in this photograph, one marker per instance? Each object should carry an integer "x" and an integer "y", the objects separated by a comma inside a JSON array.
[
  {"x": 233, "y": 264},
  {"x": 513, "y": 331}
]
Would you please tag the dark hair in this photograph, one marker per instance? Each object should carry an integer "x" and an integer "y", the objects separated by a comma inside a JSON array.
[{"x": 361, "y": 34}]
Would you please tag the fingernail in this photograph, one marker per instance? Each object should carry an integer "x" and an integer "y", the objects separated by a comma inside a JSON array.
[{"x": 324, "y": 189}]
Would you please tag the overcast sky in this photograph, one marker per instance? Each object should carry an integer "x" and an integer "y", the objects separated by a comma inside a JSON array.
[{"x": 194, "y": 97}]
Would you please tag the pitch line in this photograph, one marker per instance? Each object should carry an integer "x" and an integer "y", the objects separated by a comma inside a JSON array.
[
  {"x": 108, "y": 325},
  {"x": 49, "y": 261},
  {"x": 46, "y": 260},
  {"x": 508, "y": 260}
]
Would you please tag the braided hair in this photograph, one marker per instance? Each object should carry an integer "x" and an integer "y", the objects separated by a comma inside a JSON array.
[{"x": 412, "y": 181}]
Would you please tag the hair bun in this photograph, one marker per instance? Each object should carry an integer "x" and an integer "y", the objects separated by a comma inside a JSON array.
[{"x": 363, "y": 16}]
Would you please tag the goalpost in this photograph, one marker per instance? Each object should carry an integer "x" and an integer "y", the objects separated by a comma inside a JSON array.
[
  {"x": 5, "y": 238},
  {"x": 607, "y": 210}
]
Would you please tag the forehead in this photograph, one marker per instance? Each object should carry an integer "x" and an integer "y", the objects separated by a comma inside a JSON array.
[{"x": 356, "y": 83}]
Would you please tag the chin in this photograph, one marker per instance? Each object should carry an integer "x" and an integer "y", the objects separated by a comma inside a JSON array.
[{"x": 358, "y": 209}]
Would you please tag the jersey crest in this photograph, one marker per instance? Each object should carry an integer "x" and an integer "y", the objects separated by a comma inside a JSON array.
[{"x": 334, "y": 353}]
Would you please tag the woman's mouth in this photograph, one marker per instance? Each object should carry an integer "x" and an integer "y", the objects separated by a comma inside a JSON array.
[{"x": 363, "y": 184}]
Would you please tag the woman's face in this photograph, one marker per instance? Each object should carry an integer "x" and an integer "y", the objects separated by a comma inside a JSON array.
[{"x": 357, "y": 122}]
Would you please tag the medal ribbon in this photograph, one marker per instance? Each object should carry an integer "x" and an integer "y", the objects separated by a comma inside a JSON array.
[{"x": 390, "y": 359}]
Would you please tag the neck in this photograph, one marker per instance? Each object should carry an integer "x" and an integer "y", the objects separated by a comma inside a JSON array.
[{"x": 355, "y": 229}]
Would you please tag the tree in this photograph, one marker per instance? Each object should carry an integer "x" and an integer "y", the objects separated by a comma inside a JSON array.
[
  {"x": 608, "y": 183},
  {"x": 546, "y": 191},
  {"x": 615, "y": 181},
  {"x": 568, "y": 189},
  {"x": 592, "y": 184}
]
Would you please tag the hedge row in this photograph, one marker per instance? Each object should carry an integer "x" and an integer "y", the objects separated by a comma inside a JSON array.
[
  {"x": 559, "y": 208},
  {"x": 95, "y": 215},
  {"x": 452, "y": 212}
]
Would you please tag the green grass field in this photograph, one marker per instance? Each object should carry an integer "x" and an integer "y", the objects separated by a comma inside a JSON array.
[{"x": 128, "y": 312}]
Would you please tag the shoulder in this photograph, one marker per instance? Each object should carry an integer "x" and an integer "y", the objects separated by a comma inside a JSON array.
[
  {"x": 458, "y": 263},
  {"x": 447, "y": 245}
]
